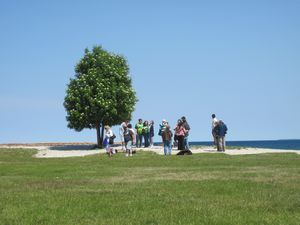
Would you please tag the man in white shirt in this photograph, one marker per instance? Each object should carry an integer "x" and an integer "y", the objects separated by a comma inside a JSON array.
[
  {"x": 121, "y": 132},
  {"x": 213, "y": 125}
]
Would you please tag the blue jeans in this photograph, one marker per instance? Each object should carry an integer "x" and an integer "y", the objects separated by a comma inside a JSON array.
[
  {"x": 168, "y": 147},
  {"x": 139, "y": 140},
  {"x": 146, "y": 140},
  {"x": 186, "y": 143}
]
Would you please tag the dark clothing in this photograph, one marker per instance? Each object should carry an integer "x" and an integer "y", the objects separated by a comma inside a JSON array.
[
  {"x": 152, "y": 131},
  {"x": 128, "y": 135},
  {"x": 180, "y": 140},
  {"x": 167, "y": 135},
  {"x": 187, "y": 127},
  {"x": 220, "y": 130},
  {"x": 146, "y": 139}
]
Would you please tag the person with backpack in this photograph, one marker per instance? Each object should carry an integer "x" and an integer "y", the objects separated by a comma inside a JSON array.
[
  {"x": 162, "y": 127},
  {"x": 167, "y": 140},
  {"x": 129, "y": 139},
  {"x": 139, "y": 133},
  {"x": 220, "y": 130}
]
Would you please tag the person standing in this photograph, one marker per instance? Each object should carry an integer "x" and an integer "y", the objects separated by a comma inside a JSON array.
[
  {"x": 129, "y": 139},
  {"x": 214, "y": 123},
  {"x": 151, "y": 133},
  {"x": 121, "y": 133},
  {"x": 220, "y": 131},
  {"x": 146, "y": 133},
  {"x": 187, "y": 128},
  {"x": 139, "y": 133},
  {"x": 180, "y": 134},
  {"x": 162, "y": 127},
  {"x": 108, "y": 133},
  {"x": 167, "y": 140}
]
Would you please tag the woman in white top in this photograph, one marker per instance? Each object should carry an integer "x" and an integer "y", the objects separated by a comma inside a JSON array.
[{"x": 107, "y": 134}]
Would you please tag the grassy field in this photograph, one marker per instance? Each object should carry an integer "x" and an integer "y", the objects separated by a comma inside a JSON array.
[{"x": 149, "y": 189}]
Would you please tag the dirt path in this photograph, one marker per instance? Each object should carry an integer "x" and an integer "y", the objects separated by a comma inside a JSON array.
[{"x": 60, "y": 150}]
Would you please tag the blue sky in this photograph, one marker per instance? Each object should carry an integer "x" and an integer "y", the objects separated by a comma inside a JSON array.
[{"x": 237, "y": 59}]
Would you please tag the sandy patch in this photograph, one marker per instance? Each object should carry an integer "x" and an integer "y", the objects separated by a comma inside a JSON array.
[{"x": 60, "y": 150}]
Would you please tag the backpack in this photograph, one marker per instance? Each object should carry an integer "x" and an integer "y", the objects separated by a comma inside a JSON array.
[{"x": 111, "y": 139}]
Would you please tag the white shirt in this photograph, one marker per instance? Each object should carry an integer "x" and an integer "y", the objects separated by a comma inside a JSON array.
[
  {"x": 214, "y": 123},
  {"x": 108, "y": 133},
  {"x": 121, "y": 128}
]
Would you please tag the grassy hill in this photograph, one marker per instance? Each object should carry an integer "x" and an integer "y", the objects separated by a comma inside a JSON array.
[{"x": 149, "y": 189}]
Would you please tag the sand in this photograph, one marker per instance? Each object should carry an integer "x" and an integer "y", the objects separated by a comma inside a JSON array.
[{"x": 60, "y": 150}]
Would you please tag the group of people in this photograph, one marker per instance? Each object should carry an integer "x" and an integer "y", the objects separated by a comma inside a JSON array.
[
  {"x": 219, "y": 130},
  {"x": 181, "y": 134},
  {"x": 143, "y": 133}
]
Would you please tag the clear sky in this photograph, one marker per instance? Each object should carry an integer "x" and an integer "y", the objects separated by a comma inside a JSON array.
[{"x": 237, "y": 59}]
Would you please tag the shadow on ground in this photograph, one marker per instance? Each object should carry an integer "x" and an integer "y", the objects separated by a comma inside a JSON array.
[
  {"x": 76, "y": 147},
  {"x": 72, "y": 147}
]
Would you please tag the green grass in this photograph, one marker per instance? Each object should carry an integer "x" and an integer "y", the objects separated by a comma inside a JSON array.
[
  {"x": 149, "y": 189},
  {"x": 214, "y": 147}
]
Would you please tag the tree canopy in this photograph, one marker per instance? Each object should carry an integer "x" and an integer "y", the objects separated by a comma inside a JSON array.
[{"x": 101, "y": 92}]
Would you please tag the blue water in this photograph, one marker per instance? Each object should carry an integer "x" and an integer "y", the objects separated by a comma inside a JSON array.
[{"x": 275, "y": 144}]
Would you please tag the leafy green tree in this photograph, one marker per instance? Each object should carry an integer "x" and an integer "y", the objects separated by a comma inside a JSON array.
[{"x": 101, "y": 92}]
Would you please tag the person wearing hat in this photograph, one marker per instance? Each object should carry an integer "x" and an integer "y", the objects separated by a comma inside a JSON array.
[{"x": 162, "y": 127}]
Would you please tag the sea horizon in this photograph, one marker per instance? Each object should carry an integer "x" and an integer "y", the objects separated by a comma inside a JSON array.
[{"x": 289, "y": 144}]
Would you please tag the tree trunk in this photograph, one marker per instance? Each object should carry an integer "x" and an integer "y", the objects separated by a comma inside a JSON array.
[
  {"x": 99, "y": 142},
  {"x": 102, "y": 133}
]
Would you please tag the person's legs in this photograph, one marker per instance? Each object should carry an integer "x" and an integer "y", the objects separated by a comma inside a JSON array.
[
  {"x": 137, "y": 140},
  {"x": 170, "y": 147},
  {"x": 151, "y": 140},
  {"x": 165, "y": 147},
  {"x": 146, "y": 140},
  {"x": 219, "y": 144},
  {"x": 186, "y": 143},
  {"x": 223, "y": 143},
  {"x": 107, "y": 148},
  {"x": 180, "y": 142},
  {"x": 215, "y": 139},
  {"x": 122, "y": 142},
  {"x": 140, "y": 140},
  {"x": 129, "y": 148}
]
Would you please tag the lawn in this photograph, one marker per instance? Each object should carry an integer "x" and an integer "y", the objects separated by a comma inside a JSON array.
[{"x": 149, "y": 189}]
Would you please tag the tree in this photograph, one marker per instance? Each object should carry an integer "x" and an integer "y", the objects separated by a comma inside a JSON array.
[{"x": 101, "y": 92}]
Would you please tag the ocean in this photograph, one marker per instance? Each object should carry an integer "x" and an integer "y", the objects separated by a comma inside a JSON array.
[{"x": 273, "y": 144}]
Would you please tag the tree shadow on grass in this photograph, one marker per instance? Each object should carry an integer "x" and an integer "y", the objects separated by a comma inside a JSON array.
[
  {"x": 77, "y": 147},
  {"x": 73, "y": 147}
]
